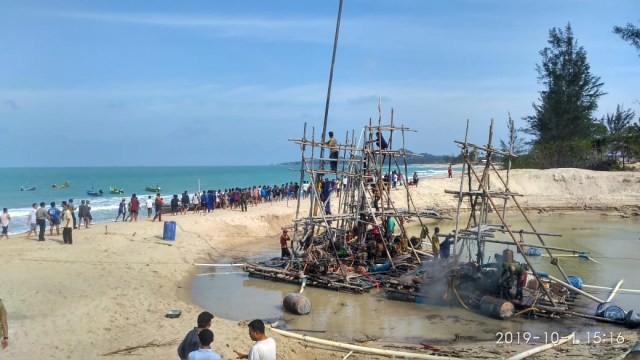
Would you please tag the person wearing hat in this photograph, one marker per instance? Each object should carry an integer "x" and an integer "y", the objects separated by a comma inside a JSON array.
[
  {"x": 191, "y": 342},
  {"x": 284, "y": 238}
]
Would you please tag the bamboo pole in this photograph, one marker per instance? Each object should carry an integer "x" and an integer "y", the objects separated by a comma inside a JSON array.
[
  {"x": 542, "y": 348},
  {"x": 533, "y": 246},
  {"x": 615, "y": 291},
  {"x": 631, "y": 291},
  {"x": 363, "y": 349},
  {"x": 535, "y": 273},
  {"x": 572, "y": 288},
  {"x": 460, "y": 199}
]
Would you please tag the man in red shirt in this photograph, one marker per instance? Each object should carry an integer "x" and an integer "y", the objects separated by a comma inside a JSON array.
[
  {"x": 283, "y": 244},
  {"x": 135, "y": 207}
]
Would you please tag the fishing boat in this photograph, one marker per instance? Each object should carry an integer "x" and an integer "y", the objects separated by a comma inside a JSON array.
[
  {"x": 155, "y": 189},
  {"x": 27, "y": 188},
  {"x": 64, "y": 185},
  {"x": 115, "y": 190},
  {"x": 95, "y": 193}
]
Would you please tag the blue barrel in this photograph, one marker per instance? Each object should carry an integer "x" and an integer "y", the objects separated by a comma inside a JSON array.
[{"x": 169, "y": 231}]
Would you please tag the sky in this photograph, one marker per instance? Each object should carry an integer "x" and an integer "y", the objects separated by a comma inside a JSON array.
[{"x": 150, "y": 83}]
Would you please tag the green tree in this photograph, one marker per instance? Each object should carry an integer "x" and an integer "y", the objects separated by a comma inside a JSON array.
[
  {"x": 563, "y": 119},
  {"x": 629, "y": 33},
  {"x": 515, "y": 143},
  {"x": 620, "y": 133}
]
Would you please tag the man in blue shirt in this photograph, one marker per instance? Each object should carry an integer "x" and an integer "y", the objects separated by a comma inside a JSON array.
[{"x": 204, "y": 353}]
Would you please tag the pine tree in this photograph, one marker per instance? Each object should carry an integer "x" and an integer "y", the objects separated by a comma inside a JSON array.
[
  {"x": 563, "y": 125},
  {"x": 630, "y": 33}
]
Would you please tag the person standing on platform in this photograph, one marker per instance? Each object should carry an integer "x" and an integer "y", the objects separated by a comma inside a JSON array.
[
  {"x": 334, "y": 152},
  {"x": 284, "y": 249},
  {"x": 435, "y": 243}
]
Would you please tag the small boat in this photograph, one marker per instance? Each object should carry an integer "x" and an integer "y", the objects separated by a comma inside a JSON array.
[
  {"x": 116, "y": 190},
  {"x": 155, "y": 189},
  {"x": 27, "y": 188},
  {"x": 95, "y": 193},
  {"x": 64, "y": 185}
]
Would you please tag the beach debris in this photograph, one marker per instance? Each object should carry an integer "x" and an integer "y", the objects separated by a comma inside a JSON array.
[
  {"x": 130, "y": 349},
  {"x": 542, "y": 348},
  {"x": 173, "y": 314}
]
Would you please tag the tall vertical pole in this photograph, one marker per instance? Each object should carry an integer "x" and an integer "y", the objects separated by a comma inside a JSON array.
[{"x": 333, "y": 61}]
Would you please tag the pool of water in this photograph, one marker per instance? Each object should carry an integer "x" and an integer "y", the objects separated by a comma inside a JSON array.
[{"x": 613, "y": 242}]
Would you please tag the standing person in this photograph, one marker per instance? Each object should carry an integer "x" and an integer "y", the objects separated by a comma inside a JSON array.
[
  {"x": 185, "y": 202},
  {"x": 67, "y": 229},
  {"x": 87, "y": 214},
  {"x": 332, "y": 143},
  {"x": 54, "y": 218},
  {"x": 122, "y": 210},
  {"x": 191, "y": 342},
  {"x": 5, "y": 325},
  {"x": 81, "y": 213},
  {"x": 32, "y": 220},
  {"x": 204, "y": 353},
  {"x": 195, "y": 200},
  {"x": 175, "y": 204},
  {"x": 158, "y": 203},
  {"x": 450, "y": 171},
  {"x": 135, "y": 207},
  {"x": 435, "y": 243},
  {"x": 284, "y": 249},
  {"x": 41, "y": 219},
  {"x": 415, "y": 179},
  {"x": 149, "y": 206},
  {"x": 5, "y": 218},
  {"x": 72, "y": 208},
  {"x": 264, "y": 347}
]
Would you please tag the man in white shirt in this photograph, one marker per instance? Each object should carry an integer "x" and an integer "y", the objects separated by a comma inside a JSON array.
[
  {"x": 149, "y": 206},
  {"x": 264, "y": 347},
  {"x": 33, "y": 224}
]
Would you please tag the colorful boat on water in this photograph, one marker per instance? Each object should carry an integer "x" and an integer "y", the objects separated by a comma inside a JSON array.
[
  {"x": 64, "y": 185},
  {"x": 27, "y": 188},
  {"x": 115, "y": 190},
  {"x": 155, "y": 189}
]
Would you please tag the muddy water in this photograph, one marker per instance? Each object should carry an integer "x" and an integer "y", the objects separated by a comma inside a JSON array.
[{"x": 613, "y": 242}]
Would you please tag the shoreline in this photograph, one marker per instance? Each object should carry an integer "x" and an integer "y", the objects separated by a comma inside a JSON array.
[{"x": 111, "y": 288}]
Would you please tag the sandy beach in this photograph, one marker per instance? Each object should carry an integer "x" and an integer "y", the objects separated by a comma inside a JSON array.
[{"x": 111, "y": 289}]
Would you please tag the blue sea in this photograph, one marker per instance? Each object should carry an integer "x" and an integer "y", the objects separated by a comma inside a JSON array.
[{"x": 172, "y": 180}]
